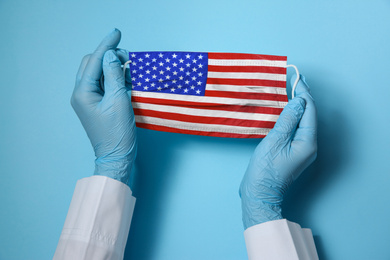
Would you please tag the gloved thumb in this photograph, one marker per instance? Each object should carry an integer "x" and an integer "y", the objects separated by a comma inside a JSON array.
[
  {"x": 113, "y": 73},
  {"x": 290, "y": 116},
  {"x": 302, "y": 86}
]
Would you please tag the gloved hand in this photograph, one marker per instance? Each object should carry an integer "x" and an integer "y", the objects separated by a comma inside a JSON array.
[
  {"x": 107, "y": 116},
  {"x": 279, "y": 159}
]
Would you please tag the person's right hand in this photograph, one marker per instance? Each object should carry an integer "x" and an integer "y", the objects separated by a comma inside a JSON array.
[
  {"x": 107, "y": 116},
  {"x": 288, "y": 149}
]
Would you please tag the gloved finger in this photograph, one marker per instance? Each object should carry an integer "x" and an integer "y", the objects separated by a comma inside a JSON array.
[
  {"x": 122, "y": 54},
  {"x": 113, "y": 73},
  {"x": 82, "y": 66},
  {"x": 302, "y": 86},
  {"x": 290, "y": 117},
  {"x": 309, "y": 118},
  {"x": 93, "y": 70}
]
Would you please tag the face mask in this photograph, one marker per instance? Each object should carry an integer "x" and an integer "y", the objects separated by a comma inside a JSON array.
[{"x": 212, "y": 94}]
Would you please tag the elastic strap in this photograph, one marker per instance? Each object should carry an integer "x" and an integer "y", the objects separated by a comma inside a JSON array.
[
  {"x": 296, "y": 81},
  {"x": 124, "y": 67}
]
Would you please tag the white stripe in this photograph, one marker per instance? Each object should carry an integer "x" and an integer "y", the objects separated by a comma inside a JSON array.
[
  {"x": 201, "y": 127},
  {"x": 216, "y": 100},
  {"x": 267, "y": 63},
  {"x": 251, "y": 89},
  {"x": 206, "y": 112},
  {"x": 246, "y": 75}
]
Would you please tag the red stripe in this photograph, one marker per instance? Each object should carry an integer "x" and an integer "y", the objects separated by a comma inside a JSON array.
[
  {"x": 261, "y": 69},
  {"x": 244, "y": 56},
  {"x": 210, "y": 106},
  {"x": 247, "y": 82},
  {"x": 204, "y": 119},
  {"x": 246, "y": 95},
  {"x": 182, "y": 131}
]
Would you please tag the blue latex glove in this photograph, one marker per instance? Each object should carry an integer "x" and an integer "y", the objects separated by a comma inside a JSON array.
[
  {"x": 289, "y": 148},
  {"x": 107, "y": 116}
]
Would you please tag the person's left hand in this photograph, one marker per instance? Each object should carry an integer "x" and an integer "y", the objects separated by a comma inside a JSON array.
[{"x": 107, "y": 116}]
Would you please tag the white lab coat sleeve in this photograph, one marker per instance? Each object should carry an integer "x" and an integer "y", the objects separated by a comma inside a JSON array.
[
  {"x": 98, "y": 220},
  {"x": 279, "y": 240}
]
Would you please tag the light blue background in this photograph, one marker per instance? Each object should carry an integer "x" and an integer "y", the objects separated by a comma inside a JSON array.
[{"x": 188, "y": 205}]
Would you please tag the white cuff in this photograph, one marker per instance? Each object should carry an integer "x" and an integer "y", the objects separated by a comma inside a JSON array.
[
  {"x": 98, "y": 220},
  {"x": 279, "y": 240}
]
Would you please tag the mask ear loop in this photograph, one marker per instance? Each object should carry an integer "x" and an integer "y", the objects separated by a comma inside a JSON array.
[
  {"x": 124, "y": 74},
  {"x": 296, "y": 81},
  {"x": 124, "y": 67}
]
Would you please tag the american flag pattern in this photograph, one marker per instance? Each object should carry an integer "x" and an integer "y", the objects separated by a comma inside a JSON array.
[{"x": 213, "y": 94}]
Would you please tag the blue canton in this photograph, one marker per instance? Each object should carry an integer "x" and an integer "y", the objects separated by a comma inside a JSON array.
[{"x": 169, "y": 72}]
